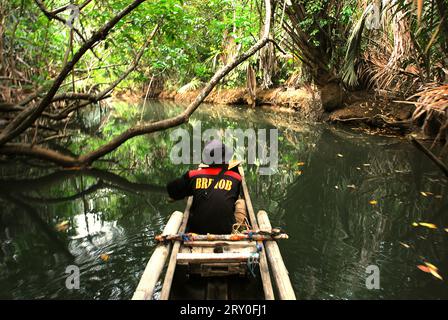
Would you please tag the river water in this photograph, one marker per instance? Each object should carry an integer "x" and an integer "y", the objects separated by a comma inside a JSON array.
[{"x": 347, "y": 199}]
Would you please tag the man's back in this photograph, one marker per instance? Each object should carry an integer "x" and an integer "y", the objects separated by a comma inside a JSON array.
[{"x": 213, "y": 205}]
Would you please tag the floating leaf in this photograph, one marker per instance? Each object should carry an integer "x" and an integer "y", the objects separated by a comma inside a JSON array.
[
  {"x": 366, "y": 164},
  {"x": 352, "y": 186},
  {"x": 424, "y": 268},
  {"x": 105, "y": 257},
  {"x": 428, "y": 225},
  {"x": 340, "y": 155},
  {"x": 446, "y": 229},
  {"x": 423, "y": 193},
  {"x": 373, "y": 202},
  {"x": 336, "y": 187},
  {"x": 435, "y": 274},
  {"x": 431, "y": 266},
  {"x": 300, "y": 163},
  {"x": 62, "y": 226},
  {"x": 405, "y": 245},
  {"x": 358, "y": 168},
  {"x": 414, "y": 224}
]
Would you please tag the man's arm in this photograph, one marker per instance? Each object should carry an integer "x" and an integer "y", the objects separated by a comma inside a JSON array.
[{"x": 179, "y": 188}]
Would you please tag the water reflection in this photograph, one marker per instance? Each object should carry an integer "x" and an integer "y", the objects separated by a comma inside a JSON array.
[{"x": 347, "y": 201}]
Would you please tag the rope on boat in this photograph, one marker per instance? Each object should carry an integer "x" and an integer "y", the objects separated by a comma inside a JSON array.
[{"x": 275, "y": 234}]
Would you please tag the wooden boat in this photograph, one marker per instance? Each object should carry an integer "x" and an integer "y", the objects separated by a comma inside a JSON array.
[{"x": 225, "y": 267}]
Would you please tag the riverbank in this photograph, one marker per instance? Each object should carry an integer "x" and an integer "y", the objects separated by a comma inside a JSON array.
[{"x": 361, "y": 109}]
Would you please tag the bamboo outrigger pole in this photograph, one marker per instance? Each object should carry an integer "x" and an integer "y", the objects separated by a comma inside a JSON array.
[
  {"x": 264, "y": 268},
  {"x": 166, "y": 288},
  {"x": 279, "y": 271},
  {"x": 148, "y": 281}
]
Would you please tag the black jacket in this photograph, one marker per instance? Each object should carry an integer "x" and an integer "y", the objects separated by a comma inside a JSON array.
[{"x": 212, "y": 210}]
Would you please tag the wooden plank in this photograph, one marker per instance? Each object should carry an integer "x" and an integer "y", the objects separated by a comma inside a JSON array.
[
  {"x": 183, "y": 258},
  {"x": 279, "y": 271},
  {"x": 166, "y": 287},
  {"x": 154, "y": 267},
  {"x": 264, "y": 269}
]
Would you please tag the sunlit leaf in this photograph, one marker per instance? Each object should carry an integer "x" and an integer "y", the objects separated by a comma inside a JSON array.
[
  {"x": 430, "y": 265},
  {"x": 428, "y": 225},
  {"x": 373, "y": 202},
  {"x": 435, "y": 274},
  {"x": 62, "y": 226},
  {"x": 423, "y": 193},
  {"x": 430, "y": 268},
  {"x": 352, "y": 186},
  {"x": 340, "y": 155},
  {"x": 405, "y": 245},
  {"x": 424, "y": 268},
  {"x": 414, "y": 224},
  {"x": 300, "y": 163},
  {"x": 446, "y": 229},
  {"x": 105, "y": 257}
]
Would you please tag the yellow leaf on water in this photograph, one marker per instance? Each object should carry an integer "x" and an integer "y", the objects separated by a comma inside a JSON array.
[
  {"x": 428, "y": 225},
  {"x": 435, "y": 274},
  {"x": 414, "y": 224},
  {"x": 405, "y": 245},
  {"x": 105, "y": 257},
  {"x": 373, "y": 202},
  {"x": 62, "y": 226},
  {"x": 430, "y": 268},
  {"x": 430, "y": 265}
]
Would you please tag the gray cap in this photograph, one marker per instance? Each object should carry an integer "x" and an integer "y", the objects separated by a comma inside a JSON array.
[{"x": 216, "y": 152}]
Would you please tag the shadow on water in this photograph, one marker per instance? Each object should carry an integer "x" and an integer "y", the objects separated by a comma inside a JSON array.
[{"x": 347, "y": 200}]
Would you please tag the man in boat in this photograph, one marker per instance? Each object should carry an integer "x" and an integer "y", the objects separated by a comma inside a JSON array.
[{"x": 215, "y": 188}]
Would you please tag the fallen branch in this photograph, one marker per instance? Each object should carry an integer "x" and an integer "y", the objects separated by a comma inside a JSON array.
[{"x": 430, "y": 155}]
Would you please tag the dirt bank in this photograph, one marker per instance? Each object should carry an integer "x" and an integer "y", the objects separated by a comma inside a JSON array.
[
  {"x": 306, "y": 100},
  {"x": 361, "y": 109}
]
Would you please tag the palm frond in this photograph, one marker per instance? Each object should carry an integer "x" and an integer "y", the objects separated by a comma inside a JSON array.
[{"x": 349, "y": 76}]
